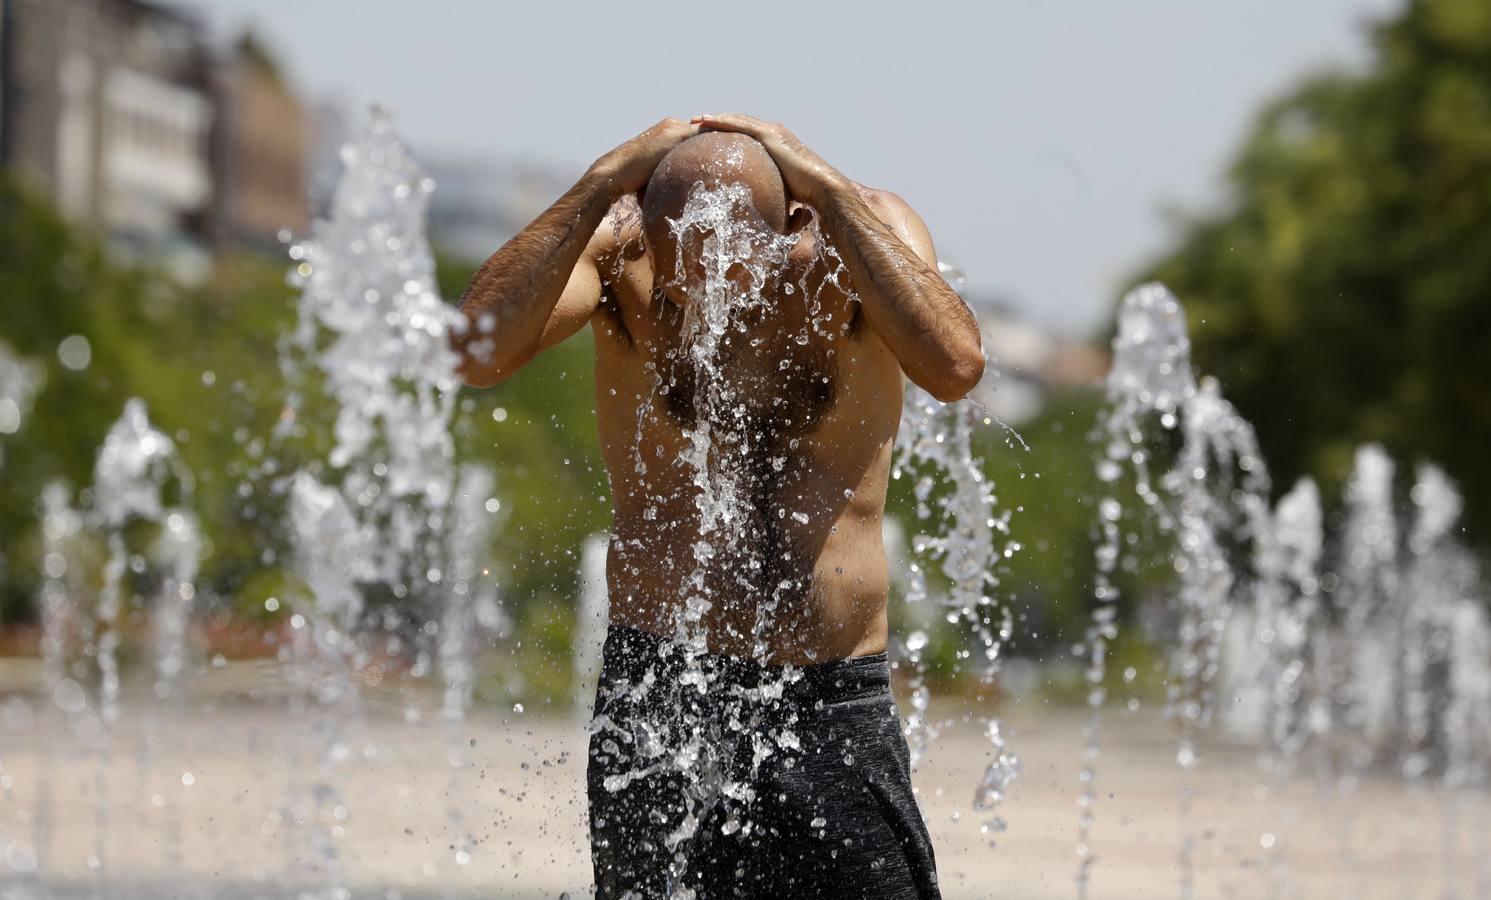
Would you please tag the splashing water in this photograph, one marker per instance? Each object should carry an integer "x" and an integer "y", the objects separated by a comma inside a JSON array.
[
  {"x": 1371, "y": 609},
  {"x": 336, "y": 557},
  {"x": 1217, "y": 494},
  {"x": 590, "y": 631},
  {"x": 1280, "y": 683},
  {"x": 1443, "y": 661},
  {"x": 1448, "y": 666},
  {"x": 1212, "y": 506},
  {"x": 373, "y": 327},
  {"x": 1383, "y": 661},
  {"x": 391, "y": 555},
  {"x": 61, "y": 625},
  {"x": 179, "y": 551},
  {"x": 936, "y": 439},
  {"x": 67, "y": 718},
  {"x": 133, "y": 464},
  {"x": 720, "y": 446},
  {"x": 472, "y": 608},
  {"x": 1286, "y": 556},
  {"x": 134, "y": 467},
  {"x": 472, "y": 612},
  {"x": 20, "y": 380},
  {"x": 1208, "y": 499},
  {"x": 712, "y": 218},
  {"x": 1150, "y": 377}
]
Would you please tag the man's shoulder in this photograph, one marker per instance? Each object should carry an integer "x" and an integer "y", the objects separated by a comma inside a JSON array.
[
  {"x": 896, "y": 213},
  {"x": 883, "y": 201}
]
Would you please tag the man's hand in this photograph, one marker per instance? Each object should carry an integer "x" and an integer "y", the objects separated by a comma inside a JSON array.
[
  {"x": 807, "y": 176},
  {"x": 541, "y": 286},
  {"x": 630, "y": 165}
]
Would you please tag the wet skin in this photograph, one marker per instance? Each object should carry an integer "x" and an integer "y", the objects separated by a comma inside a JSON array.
[
  {"x": 811, "y": 426},
  {"x": 829, "y": 416}
]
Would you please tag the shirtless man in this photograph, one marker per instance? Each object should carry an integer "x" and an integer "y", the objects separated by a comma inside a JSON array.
[{"x": 797, "y": 591}]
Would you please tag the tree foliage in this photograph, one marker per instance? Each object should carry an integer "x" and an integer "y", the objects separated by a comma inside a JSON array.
[
  {"x": 206, "y": 360},
  {"x": 1343, "y": 294}
]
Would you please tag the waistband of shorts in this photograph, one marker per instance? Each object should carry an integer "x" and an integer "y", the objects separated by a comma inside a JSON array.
[{"x": 629, "y": 652}]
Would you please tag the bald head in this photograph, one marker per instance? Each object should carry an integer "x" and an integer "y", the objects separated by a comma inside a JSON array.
[{"x": 715, "y": 158}]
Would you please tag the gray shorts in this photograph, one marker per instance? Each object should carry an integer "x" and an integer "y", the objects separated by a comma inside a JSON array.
[{"x": 742, "y": 790}]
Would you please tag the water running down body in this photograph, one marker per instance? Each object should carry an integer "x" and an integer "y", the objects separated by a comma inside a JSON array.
[{"x": 753, "y": 312}]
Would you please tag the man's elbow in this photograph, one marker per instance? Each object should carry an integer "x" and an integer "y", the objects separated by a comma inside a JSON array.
[
  {"x": 479, "y": 376},
  {"x": 488, "y": 373},
  {"x": 477, "y": 362},
  {"x": 960, "y": 377}
]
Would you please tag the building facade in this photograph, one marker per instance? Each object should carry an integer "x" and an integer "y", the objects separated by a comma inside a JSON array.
[
  {"x": 106, "y": 108},
  {"x": 122, "y": 114},
  {"x": 260, "y": 154}
]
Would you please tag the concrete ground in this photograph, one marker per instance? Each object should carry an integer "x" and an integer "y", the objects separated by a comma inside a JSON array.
[{"x": 223, "y": 797}]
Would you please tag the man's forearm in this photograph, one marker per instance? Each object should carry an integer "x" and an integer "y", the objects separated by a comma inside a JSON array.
[
  {"x": 911, "y": 307},
  {"x": 512, "y": 295}
]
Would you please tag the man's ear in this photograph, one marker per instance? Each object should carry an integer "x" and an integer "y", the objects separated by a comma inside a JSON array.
[{"x": 799, "y": 219}]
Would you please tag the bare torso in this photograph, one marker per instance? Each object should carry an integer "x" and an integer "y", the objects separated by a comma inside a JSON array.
[{"x": 823, "y": 417}]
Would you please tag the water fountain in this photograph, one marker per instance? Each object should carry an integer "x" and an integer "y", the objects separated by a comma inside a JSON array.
[
  {"x": 1150, "y": 378},
  {"x": 1351, "y": 666},
  {"x": 1343, "y": 655},
  {"x": 1277, "y": 692},
  {"x": 590, "y": 631},
  {"x": 393, "y": 536},
  {"x": 472, "y": 609},
  {"x": 19, "y": 380},
  {"x": 970, "y": 536},
  {"x": 139, "y": 480}
]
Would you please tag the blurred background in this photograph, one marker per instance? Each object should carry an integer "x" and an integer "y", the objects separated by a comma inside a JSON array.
[{"x": 1310, "y": 180}]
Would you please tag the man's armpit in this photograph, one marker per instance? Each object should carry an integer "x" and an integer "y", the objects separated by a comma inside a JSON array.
[{"x": 608, "y": 322}]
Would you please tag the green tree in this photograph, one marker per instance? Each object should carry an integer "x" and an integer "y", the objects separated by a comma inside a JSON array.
[
  {"x": 1343, "y": 293},
  {"x": 203, "y": 359}
]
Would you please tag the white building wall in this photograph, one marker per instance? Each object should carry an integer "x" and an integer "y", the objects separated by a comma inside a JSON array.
[{"x": 155, "y": 152}]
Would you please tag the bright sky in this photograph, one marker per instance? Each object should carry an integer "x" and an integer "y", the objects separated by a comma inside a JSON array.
[{"x": 1039, "y": 139}]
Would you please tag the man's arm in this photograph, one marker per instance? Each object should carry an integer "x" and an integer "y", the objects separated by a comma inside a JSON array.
[
  {"x": 541, "y": 287},
  {"x": 918, "y": 315},
  {"x": 912, "y": 307},
  {"x": 539, "y": 275}
]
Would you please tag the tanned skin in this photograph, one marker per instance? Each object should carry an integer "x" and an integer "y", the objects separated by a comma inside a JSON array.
[{"x": 828, "y": 410}]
